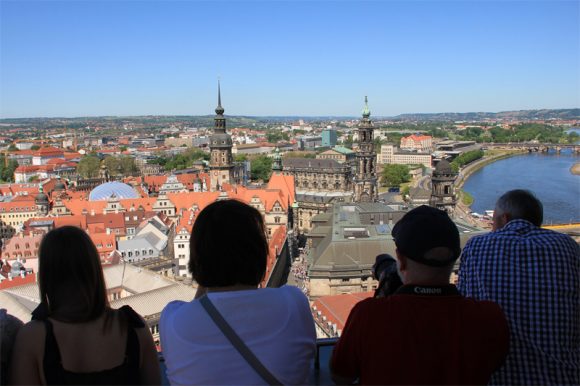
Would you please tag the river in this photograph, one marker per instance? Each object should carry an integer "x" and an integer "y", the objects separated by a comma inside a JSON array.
[{"x": 547, "y": 175}]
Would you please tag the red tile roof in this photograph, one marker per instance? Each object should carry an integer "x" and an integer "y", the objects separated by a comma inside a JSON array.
[
  {"x": 18, "y": 281},
  {"x": 275, "y": 245},
  {"x": 336, "y": 308}
]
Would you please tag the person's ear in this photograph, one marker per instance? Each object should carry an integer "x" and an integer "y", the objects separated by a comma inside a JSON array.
[
  {"x": 402, "y": 261},
  {"x": 505, "y": 218}
]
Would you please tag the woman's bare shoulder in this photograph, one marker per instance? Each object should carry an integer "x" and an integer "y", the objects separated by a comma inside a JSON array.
[
  {"x": 30, "y": 335},
  {"x": 33, "y": 329}
]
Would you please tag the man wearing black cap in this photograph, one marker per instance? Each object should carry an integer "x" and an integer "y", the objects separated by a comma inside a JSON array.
[{"x": 426, "y": 333}]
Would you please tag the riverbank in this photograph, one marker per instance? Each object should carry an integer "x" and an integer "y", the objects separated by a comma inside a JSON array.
[
  {"x": 489, "y": 158},
  {"x": 465, "y": 200},
  {"x": 575, "y": 169}
]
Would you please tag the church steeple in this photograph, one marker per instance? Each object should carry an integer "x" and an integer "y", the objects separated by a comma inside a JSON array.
[
  {"x": 365, "y": 179},
  {"x": 220, "y": 120},
  {"x": 221, "y": 162},
  {"x": 219, "y": 110}
]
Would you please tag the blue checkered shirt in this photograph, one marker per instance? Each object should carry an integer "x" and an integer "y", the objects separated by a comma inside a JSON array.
[{"x": 534, "y": 275}]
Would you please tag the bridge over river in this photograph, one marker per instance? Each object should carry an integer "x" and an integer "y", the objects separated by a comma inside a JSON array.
[{"x": 532, "y": 147}]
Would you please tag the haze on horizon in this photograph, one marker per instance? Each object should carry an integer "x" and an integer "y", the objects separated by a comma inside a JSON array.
[{"x": 92, "y": 58}]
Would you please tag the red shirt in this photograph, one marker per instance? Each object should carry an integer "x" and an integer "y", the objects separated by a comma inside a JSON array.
[{"x": 422, "y": 335}]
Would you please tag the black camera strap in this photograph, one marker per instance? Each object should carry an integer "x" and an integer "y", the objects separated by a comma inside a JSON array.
[{"x": 421, "y": 290}]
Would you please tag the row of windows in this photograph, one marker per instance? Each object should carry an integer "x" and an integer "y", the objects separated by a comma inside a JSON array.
[
  {"x": 20, "y": 215},
  {"x": 26, "y": 246},
  {"x": 23, "y": 209},
  {"x": 136, "y": 252}
]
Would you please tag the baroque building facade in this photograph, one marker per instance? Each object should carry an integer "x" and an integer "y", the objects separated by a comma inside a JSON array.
[{"x": 319, "y": 184}]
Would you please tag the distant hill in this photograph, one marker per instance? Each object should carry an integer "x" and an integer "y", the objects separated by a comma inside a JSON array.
[
  {"x": 155, "y": 121},
  {"x": 480, "y": 116}
]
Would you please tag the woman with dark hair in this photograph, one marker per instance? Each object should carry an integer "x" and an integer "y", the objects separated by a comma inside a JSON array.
[
  {"x": 74, "y": 336},
  {"x": 234, "y": 332}
]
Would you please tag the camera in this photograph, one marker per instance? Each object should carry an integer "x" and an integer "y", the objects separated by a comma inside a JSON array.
[{"x": 385, "y": 271}]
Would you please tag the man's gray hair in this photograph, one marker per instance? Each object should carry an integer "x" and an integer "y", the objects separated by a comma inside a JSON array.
[{"x": 520, "y": 204}]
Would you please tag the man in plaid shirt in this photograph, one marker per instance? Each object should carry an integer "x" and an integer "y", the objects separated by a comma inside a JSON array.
[{"x": 534, "y": 275}]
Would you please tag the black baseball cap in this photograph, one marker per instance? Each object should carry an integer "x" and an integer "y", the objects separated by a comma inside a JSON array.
[{"x": 423, "y": 229}]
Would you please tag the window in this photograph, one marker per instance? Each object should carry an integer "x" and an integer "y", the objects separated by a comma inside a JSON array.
[{"x": 277, "y": 220}]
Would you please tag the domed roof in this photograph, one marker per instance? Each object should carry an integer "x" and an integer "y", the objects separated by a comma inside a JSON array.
[
  {"x": 443, "y": 167},
  {"x": 106, "y": 190},
  {"x": 59, "y": 185}
]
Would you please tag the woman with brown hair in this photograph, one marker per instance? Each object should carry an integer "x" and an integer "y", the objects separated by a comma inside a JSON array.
[
  {"x": 234, "y": 333},
  {"x": 74, "y": 336}
]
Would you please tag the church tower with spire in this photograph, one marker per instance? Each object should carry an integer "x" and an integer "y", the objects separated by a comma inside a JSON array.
[
  {"x": 221, "y": 163},
  {"x": 365, "y": 179}
]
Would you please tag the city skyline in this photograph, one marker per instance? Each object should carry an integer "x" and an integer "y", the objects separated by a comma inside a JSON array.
[{"x": 77, "y": 59}]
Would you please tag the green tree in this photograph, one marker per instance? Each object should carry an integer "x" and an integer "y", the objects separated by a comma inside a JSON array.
[
  {"x": 377, "y": 143},
  {"x": 7, "y": 169},
  {"x": 89, "y": 167},
  {"x": 240, "y": 157},
  {"x": 185, "y": 160},
  {"x": 348, "y": 141},
  {"x": 466, "y": 158},
  {"x": 34, "y": 147},
  {"x": 276, "y": 136},
  {"x": 12, "y": 147},
  {"x": 394, "y": 175},
  {"x": 261, "y": 168},
  {"x": 128, "y": 165},
  {"x": 112, "y": 164}
]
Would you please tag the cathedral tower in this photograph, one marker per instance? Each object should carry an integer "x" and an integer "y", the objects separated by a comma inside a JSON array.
[
  {"x": 365, "y": 179},
  {"x": 221, "y": 163}
]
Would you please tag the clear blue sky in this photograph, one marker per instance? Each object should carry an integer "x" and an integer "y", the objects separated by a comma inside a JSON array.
[{"x": 78, "y": 58}]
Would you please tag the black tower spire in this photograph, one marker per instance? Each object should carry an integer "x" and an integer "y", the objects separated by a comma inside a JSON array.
[{"x": 220, "y": 120}]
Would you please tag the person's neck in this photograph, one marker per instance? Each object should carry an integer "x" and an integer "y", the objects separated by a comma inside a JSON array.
[
  {"x": 235, "y": 287},
  {"x": 427, "y": 282}
]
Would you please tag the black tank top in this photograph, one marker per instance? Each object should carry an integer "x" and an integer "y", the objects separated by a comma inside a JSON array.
[{"x": 127, "y": 373}]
